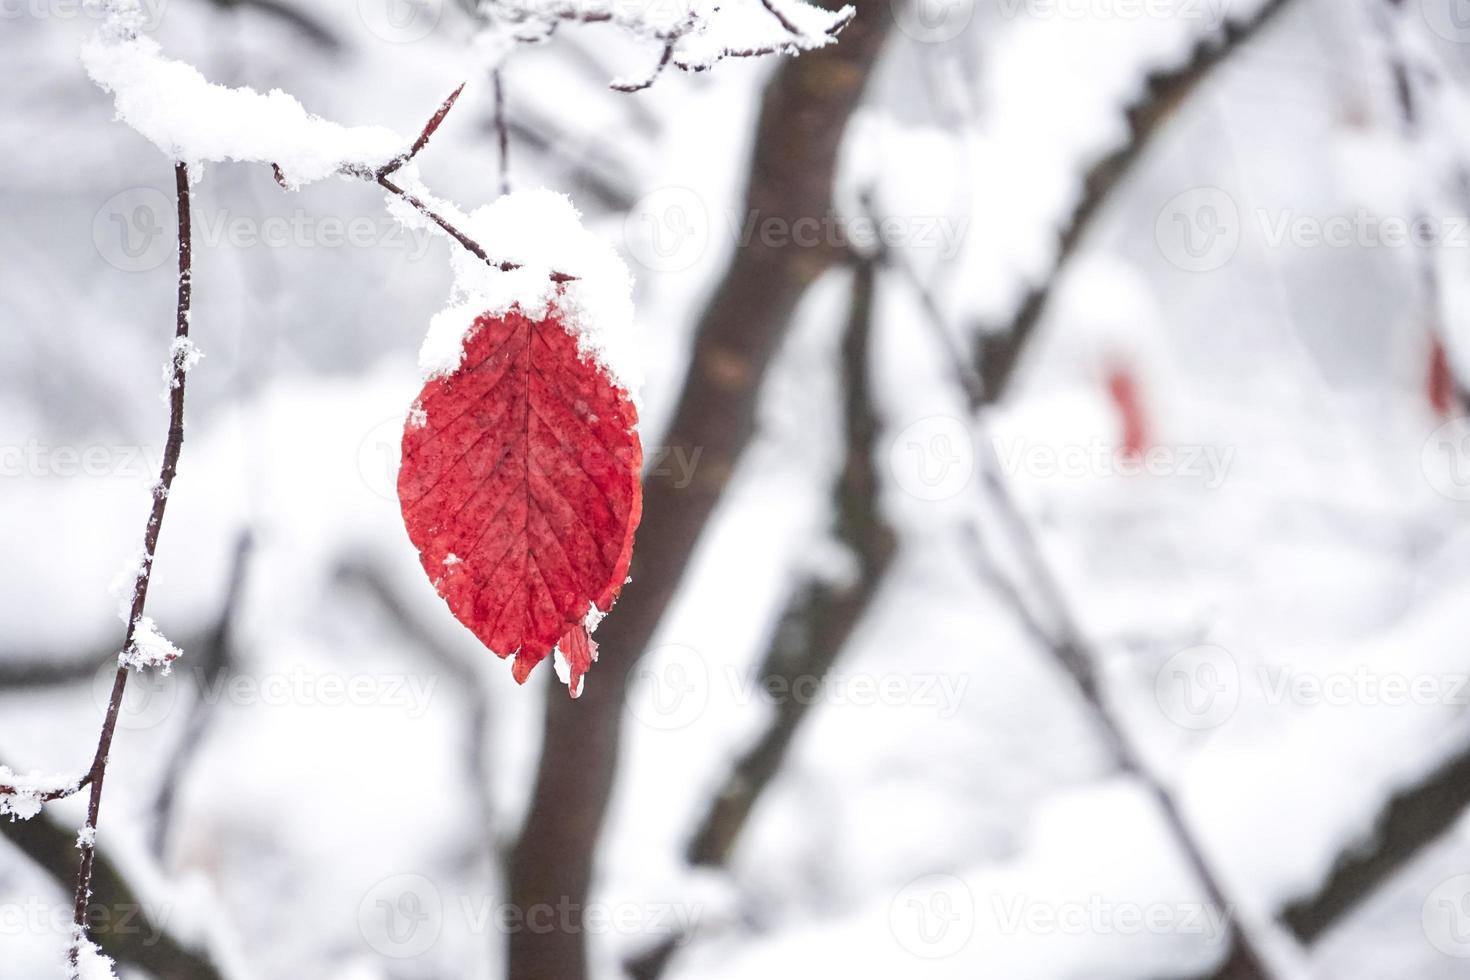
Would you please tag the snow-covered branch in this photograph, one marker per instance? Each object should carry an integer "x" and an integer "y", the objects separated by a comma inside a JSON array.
[{"x": 693, "y": 36}]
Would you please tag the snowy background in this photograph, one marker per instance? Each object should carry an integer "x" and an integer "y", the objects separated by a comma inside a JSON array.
[{"x": 331, "y": 782}]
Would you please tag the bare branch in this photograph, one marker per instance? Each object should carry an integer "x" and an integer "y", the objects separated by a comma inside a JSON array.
[
  {"x": 180, "y": 362},
  {"x": 382, "y": 176},
  {"x": 818, "y": 622},
  {"x": 127, "y": 927},
  {"x": 670, "y": 37},
  {"x": 780, "y": 15},
  {"x": 804, "y": 112},
  {"x": 71, "y": 788},
  {"x": 998, "y": 348},
  {"x": 178, "y": 353},
  {"x": 469, "y": 243},
  {"x": 658, "y": 69},
  {"x": 1416, "y": 817},
  {"x": 1064, "y": 639},
  {"x": 430, "y": 128}
]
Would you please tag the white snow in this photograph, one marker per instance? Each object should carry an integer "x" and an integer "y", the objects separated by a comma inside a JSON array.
[
  {"x": 124, "y": 583},
  {"x": 564, "y": 673},
  {"x": 150, "y": 648},
  {"x": 1322, "y": 551},
  {"x": 736, "y": 27},
  {"x": 92, "y": 964},
  {"x": 191, "y": 119},
  {"x": 704, "y": 32},
  {"x": 29, "y": 787},
  {"x": 184, "y": 355},
  {"x": 542, "y": 232}
]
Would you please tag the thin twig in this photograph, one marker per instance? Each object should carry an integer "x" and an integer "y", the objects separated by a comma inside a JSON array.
[
  {"x": 427, "y": 134},
  {"x": 178, "y": 355},
  {"x": 469, "y": 243},
  {"x": 671, "y": 36},
  {"x": 60, "y": 793},
  {"x": 658, "y": 69},
  {"x": 382, "y": 176},
  {"x": 780, "y": 15}
]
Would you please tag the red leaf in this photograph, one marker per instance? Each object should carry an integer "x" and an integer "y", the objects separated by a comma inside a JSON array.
[{"x": 519, "y": 486}]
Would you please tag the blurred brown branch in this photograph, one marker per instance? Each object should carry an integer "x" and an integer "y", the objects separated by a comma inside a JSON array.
[
  {"x": 44, "y": 670},
  {"x": 1413, "y": 820},
  {"x": 128, "y": 927},
  {"x": 1416, "y": 817},
  {"x": 809, "y": 641},
  {"x": 212, "y": 662},
  {"x": 1058, "y": 631},
  {"x": 1000, "y": 346},
  {"x": 804, "y": 112},
  {"x": 822, "y": 615},
  {"x": 308, "y": 26}
]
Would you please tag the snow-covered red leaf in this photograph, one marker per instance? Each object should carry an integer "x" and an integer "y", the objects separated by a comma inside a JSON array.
[{"x": 519, "y": 486}]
